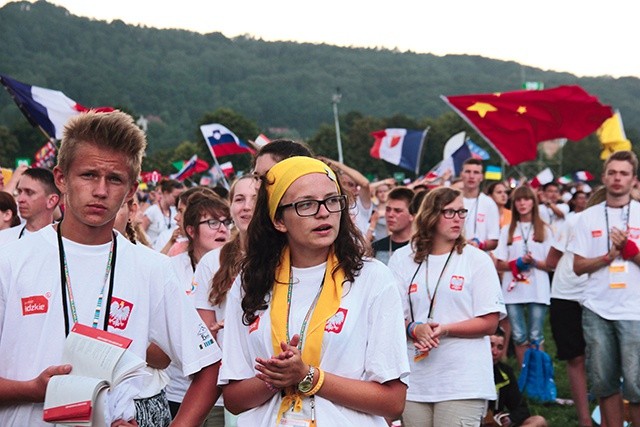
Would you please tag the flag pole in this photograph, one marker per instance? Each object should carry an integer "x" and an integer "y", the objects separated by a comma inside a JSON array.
[
  {"x": 335, "y": 101},
  {"x": 215, "y": 160},
  {"x": 424, "y": 136}
]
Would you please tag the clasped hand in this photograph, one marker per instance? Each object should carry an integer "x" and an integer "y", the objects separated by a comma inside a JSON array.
[
  {"x": 285, "y": 369},
  {"x": 427, "y": 336}
]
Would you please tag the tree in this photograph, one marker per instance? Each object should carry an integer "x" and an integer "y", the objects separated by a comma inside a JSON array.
[{"x": 8, "y": 148}]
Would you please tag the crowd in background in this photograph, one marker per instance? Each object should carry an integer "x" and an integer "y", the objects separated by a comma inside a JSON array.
[{"x": 497, "y": 258}]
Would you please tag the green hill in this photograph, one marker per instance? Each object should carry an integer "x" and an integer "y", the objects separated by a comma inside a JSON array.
[{"x": 176, "y": 76}]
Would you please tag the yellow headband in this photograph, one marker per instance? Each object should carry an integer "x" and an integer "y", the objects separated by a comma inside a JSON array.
[{"x": 283, "y": 174}]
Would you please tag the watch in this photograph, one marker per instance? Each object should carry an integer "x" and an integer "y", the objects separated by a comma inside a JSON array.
[{"x": 306, "y": 384}]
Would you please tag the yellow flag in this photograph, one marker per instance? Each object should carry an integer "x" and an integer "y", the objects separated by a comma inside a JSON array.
[{"x": 612, "y": 136}]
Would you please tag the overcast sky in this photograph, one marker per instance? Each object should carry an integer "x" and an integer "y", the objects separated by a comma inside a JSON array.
[{"x": 586, "y": 38}]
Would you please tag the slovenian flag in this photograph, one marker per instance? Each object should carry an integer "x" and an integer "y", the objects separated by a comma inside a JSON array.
[
  {"x": 222, "y": 142},
  {"x": 401, "y": 147},
  {"x": 47, "y": 108}
]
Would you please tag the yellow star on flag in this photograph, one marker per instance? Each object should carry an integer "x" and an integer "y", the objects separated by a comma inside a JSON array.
[
  {"x": 482, "y": 108},
  {"x": 521, "y": 109}
]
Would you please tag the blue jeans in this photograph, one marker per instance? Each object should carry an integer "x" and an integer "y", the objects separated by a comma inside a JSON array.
[
  {"x": 613, "y": 351},
  {"x": 520, "y": 333}
]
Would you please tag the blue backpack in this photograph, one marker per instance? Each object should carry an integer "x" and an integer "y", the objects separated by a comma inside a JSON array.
[{"x": 536, "y": 377}]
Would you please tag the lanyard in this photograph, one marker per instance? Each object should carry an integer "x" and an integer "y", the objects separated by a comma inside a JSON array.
[
  {"x": 474, "y": 216},
  {"x": 66, "y": 285},
  {"x": 308, "y": 315},
  {"x": 606, "y": 218},
  {"x": 21, "y": 232},
  {"x": 525, "y": 239},
  {"x": 431, "y": 298}
]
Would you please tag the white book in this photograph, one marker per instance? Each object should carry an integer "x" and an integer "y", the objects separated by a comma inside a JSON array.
[{"x": 100, "y": 360}]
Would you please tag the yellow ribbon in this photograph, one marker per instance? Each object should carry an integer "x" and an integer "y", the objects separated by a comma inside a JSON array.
[{"x": 328, "y": 304}]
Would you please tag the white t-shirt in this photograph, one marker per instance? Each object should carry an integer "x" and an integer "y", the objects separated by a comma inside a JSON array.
[
  {"x": 536, "y": 287},
  {"x": 159, "y": 222},
  {"x": 147, "y": 306},
  {"x": 179, "y": 383},
  {"x": 614, "y": 296},
  {"x": 460, "y": 368},
  {"x": 361, "y": 216},
  {"x": 554, "y": 221},
  {"x": 12, "y": 234},
  {"x": 566, "y": 284},
  {"x": 207, "y": 267},
  {"x": 364, "y": 340},
  {"x": 483, "y": 219}
]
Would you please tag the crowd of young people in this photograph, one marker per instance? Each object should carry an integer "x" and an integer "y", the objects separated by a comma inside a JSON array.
[{"x": 271, "y": 301}]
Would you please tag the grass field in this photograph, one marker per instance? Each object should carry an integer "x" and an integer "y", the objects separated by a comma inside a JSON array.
[{"x": 556, "y": 415}]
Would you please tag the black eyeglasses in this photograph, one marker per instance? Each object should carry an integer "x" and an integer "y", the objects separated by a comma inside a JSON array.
[
  {"x": 450, "y": 213},
  {"x": 311, "y": 207},
  {"x": 215, "y": 224}
]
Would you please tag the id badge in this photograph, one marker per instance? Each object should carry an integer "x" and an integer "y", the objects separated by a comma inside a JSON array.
[
  {"x": 618, "y": 270},
  {"x": 419, "y": 355},
  {"x": 291, "y": 420}
]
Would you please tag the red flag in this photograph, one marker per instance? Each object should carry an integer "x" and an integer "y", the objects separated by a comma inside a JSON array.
[{"x": 515, "y": 122}]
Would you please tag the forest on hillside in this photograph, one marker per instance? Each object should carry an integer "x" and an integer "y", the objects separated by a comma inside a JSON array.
[{"x": 179, "y": 79}]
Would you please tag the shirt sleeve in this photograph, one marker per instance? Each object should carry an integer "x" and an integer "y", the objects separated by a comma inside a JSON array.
[
  {"x": 386, "y": 353},
  {"x": 502, "y": 251},
  {"x": 178, "y": 329},
  {"x": 205, "y": 270},
  {"x": 578, "y": 243},
  {"x": 238, "y": 361},
  {"x": 493, "y": 223}
]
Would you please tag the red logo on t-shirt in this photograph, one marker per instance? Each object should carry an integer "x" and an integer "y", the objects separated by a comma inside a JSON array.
[
  {"x": 120, "y": 312},
  {"x": 254, "y": 325},
  {"x": 456, "y": 283},
  {"x": 517, "y": 238},
  {"x": 596, "y": 233},
  {"x": 334, "y": 324},
  {"x": 634, "y": 233},
  {"x": 480, "y": 217},
  {"x": 37, "y": 304},
  {"x": 413, "y": 288}
]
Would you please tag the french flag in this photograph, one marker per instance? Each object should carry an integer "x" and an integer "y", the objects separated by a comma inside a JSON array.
[
  {"x": 222, "y": 142},
  {"x": 400, "y": 147},
  {"x": 47, "y": 108}
]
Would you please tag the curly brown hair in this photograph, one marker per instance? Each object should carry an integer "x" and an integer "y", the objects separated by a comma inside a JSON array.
[
  {"x": 426, "y": 222},
  {"x": 265, "y": 245}
]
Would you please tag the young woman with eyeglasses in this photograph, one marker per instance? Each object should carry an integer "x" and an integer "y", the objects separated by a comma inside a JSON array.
[
  {"x": 217, "y": 270},
  {"x": 313, "y": 332},
  {"x": 207, "y": 224},
  {"x": 521, "y": 253},
  {"x": 452, "y": 302}
]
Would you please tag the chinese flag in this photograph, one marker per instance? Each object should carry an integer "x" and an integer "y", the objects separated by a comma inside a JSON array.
[{"x": 515, "y": 122}]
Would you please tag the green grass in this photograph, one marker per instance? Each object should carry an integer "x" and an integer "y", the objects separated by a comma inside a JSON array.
[{"x": 556, "y": 415}]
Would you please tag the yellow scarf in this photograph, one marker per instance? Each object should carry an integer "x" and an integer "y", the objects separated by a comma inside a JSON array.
[{"x": 328, "y": 304}]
